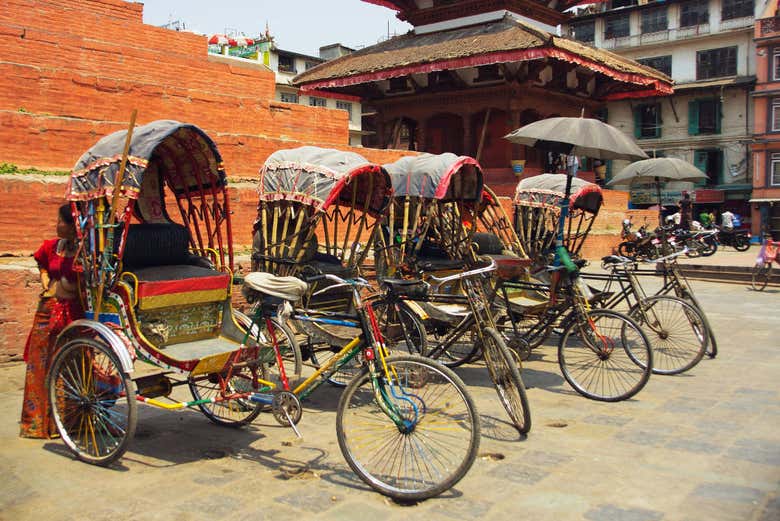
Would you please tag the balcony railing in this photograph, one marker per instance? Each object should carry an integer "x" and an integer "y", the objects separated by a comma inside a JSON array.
[{"x": 769, "y": 25}]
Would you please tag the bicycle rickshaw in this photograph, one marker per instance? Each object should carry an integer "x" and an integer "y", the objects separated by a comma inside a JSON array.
[
  {"x": 603, "y": 355},
  {"x": 429, "y": 229},
  {"x": 155, "y": 253},
  {"x": 317, "y": 213}
]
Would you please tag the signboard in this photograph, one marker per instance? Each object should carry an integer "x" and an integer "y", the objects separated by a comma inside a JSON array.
[
  {"x": 671, "y": 193},
  {"x": 250, "y": 51},
  {"x": 708, "y": 196}
]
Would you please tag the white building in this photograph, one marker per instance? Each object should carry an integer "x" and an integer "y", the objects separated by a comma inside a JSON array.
[
  {"x": 707, "y": 48},
  {"x": 287, "y": 64}
]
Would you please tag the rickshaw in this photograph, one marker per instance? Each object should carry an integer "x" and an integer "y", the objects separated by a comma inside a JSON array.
[
  {"x": 603, "y": 355},
  {"x": 155, "y": 254},
  {"x": 537, "y": 209},
  {"x": 155, "y": 257},
  {"x": 428, "y": 233},
  {"x": 430, "y": 221},
  {"x": 317, "y": 214}
]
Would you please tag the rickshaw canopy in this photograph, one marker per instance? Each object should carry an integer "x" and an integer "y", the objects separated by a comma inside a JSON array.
[
  {"x": 444, "y": 176},
  {"x": 547, "y": 190},
  {"x": 181, "y": 149},
  {"x": 317, "y": 177}
]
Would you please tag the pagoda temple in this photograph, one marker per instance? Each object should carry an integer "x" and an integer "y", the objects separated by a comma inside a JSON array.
[{"x": 473, "y": 70}]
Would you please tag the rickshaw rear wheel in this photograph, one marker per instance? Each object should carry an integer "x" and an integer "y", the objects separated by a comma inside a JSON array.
[
  {"x": 227, "y": 413},
  {"x": 93, "y": 401}
]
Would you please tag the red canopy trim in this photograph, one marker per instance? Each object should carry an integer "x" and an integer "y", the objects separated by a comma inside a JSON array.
[
  {"x": 384, "y": 3},
  {"x": 334, "y": 95},
  {"x": 648, "y": 93},
  {"x": 350, "y": 177},
  {"x": 444, "y": 184},
  {"x": 486, "y": 59}
]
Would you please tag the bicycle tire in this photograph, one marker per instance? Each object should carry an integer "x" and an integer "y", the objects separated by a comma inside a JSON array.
[
  {"x": 759, "y": 276},
  {"x": 289, "y": 348},
  {"x": 386, "y": 458},
  {"x": 506, "y": 378},
  {"x": 462, "y": 351},
  {"x": 89, "y": 391},
  {"x": 676, "y": 348},
  {"x": 627, "y": 249},
  {"x": 587, "y": 370}
]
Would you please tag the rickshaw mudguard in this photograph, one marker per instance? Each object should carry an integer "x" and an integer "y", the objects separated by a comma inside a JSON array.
[{"x": 102, "y": 331}]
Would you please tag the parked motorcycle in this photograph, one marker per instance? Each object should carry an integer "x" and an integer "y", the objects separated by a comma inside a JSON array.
[{"x": 737, "y": 239}]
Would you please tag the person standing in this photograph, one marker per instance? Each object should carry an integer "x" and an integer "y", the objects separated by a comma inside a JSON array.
[
  {"x": 727, "y": 220},
  {"x": 572, "y": 165},
  {"x": 705, "y": 218},
  {"x": 686, "y": 211},
  {"x": 59, "y": 304}
]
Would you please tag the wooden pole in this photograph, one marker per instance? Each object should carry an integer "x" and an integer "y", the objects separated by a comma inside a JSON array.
[
  {"x": 108, "y": 226},
  {"x": 482, "y": 136}
]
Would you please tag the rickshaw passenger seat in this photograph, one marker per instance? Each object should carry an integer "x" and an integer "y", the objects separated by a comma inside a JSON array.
[{"x": 168, "y": 275}]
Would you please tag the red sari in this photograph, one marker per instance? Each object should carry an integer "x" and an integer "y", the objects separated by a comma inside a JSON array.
[{"x": 52, "y": 316}]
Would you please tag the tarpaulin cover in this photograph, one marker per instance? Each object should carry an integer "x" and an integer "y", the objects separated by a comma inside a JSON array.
[
  {"x": 437, "y": 176},
  {"x": 550, "y": 189},
  {"x": 317, "y": 176},
  {"x": 184, "y": 153}
]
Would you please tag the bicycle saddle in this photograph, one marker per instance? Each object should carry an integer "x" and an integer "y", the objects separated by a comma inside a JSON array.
[
  {"x": 286, "y": 288},
  {"x": 406, "y": 287}
]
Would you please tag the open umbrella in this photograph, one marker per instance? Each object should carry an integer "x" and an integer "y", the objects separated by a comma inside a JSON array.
[
  {"x": 577, "y": 136},
  {"x": 654, "y": 170},
  {"x": 580, "y": 137}
]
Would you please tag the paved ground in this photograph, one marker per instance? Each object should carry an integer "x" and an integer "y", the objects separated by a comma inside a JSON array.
[{"x": 701, "y": 446}]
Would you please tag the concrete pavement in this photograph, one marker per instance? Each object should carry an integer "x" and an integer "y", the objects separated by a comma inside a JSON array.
[{"x": 704, "y": 445}]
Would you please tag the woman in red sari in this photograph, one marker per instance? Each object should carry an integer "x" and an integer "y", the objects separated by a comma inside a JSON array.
[{"x": 58, "y": 306}]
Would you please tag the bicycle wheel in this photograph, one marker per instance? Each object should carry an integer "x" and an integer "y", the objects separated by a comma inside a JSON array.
[
  {"x": 401, "y": 328},
  {"x": 503, "y": 371},
  {"x": 463, "y": 350},
  {"x": 760, "y": 276},
  {"x": 676, "y": 330},
  {"x": 627, "y": 249},
  {"x": 93, "y": 401},
  {"x": 288, "y": 347},
  {"x": 605, "y": 356},
  {"x": 434, "y": 446}
]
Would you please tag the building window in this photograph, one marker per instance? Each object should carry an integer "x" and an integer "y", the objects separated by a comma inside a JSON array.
[
  {"x": 617, "y": 26},
  {"x": 736, "y": 9},
  {"x": 659, "y": 63},
  {"x": 289, "y": 97},
  {"x": 654, "y": 20},
  {"x": 775, "y": 124},
  {"x": 714, "y": 63},
  {"x": 345, "y": 105},
  {"x": 647, "y": 121},
  {"x": 286, "y": 63},
  {"x": 709, "y": 161},
  {"x": 310, "y": 64},
  {"x": 623, "y": 3},
  {"x": 776, "y": 64},
  {"x": 317, "y": 102},
  {"x": 704, "y": 116},
  {"x": 693, "y": 13},
  {"x": 774, "y": 177},
  {"x": 584, "y": 31}
]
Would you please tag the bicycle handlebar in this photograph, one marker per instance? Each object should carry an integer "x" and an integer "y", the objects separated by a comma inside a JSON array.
[{"x": 465, "y": 274}]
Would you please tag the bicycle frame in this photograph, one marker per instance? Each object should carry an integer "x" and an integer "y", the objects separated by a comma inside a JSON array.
[{"x": 369, "y": 341}]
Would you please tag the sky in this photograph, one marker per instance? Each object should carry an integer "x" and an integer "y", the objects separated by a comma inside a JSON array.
[{"x": 301, "y": 26}]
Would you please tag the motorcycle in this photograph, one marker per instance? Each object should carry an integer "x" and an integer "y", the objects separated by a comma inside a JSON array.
[{"x": 738, "y": 239}]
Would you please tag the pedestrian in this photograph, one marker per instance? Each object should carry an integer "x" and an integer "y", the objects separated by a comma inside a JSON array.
[
  {"x": 686, "y": 211},
  {"x": 59, "y": 304},
  {"x": 705, "y": 218},
  {"x": 572, "y": 165},
  {"x": 727, "y": 220}
]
